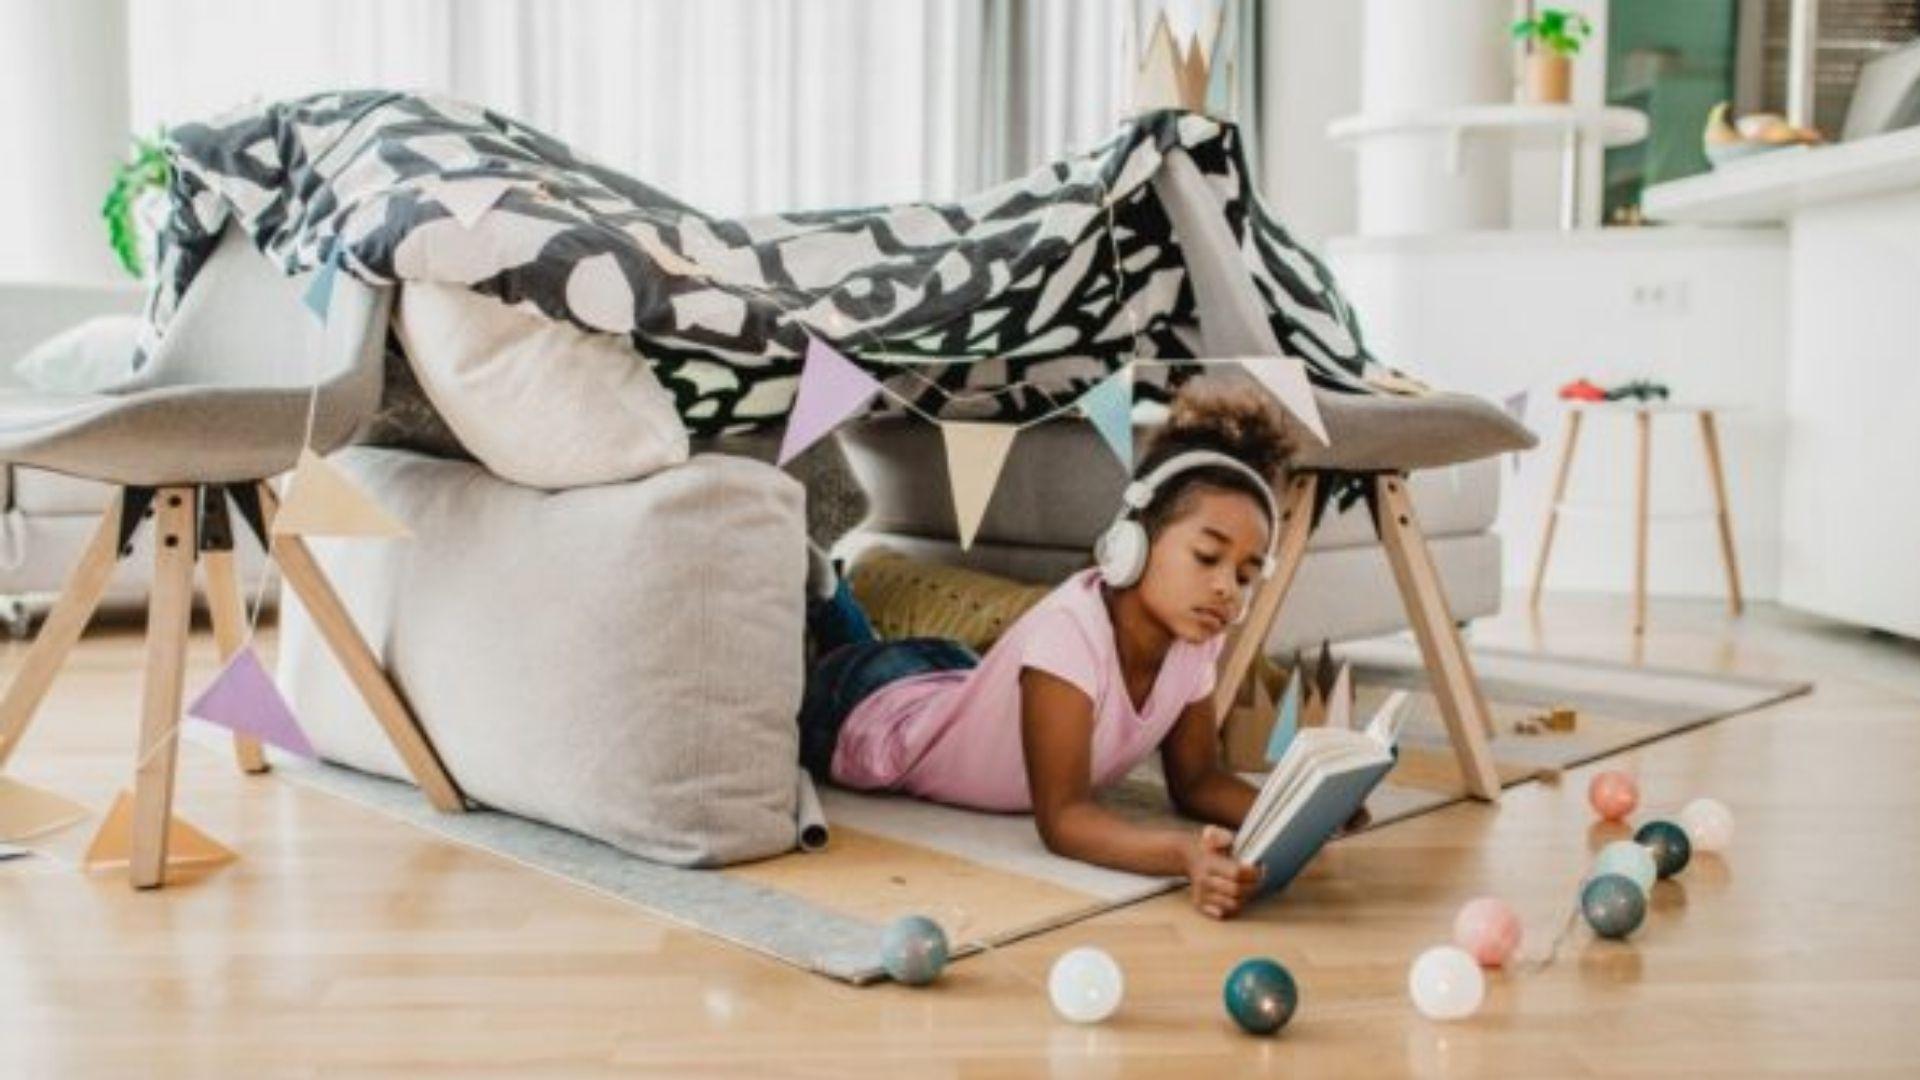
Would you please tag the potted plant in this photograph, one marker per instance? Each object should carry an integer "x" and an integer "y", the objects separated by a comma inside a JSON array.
[
  {"x": 1553, "y": 37},
  {"x": 136, "y": 200}
]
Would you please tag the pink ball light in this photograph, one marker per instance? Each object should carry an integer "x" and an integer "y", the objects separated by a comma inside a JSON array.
[
  {"x": 1613, "y": 795},
  {"x": 1488, "y": 930}
]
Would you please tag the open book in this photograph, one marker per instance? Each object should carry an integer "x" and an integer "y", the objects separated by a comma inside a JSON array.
[{"x": 1320, "y": 782}]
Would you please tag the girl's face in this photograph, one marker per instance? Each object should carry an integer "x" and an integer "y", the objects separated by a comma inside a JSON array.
[{"x": 1202, "y": 563}]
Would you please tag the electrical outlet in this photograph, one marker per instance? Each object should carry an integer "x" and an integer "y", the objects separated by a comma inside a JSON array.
[{"x": 1659, "y": 297}]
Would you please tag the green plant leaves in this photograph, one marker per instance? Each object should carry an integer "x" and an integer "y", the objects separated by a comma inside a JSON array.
[
  {"x": 146, "y": 168},
  {"x": 1555, "y": 29}
]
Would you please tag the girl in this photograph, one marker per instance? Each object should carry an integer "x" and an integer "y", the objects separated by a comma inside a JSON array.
[{"x": 1116, "y": 661}]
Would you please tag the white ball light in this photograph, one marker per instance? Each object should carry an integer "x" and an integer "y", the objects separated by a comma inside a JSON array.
[
  {"x": 1086, "y": 985},
  {"x": 1628, "y": 859},
  {"x": 1446, "y": 983},
  {"x": 1709, "y": 824}
]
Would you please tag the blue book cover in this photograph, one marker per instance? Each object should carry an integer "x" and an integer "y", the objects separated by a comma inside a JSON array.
[{"x": 1335, "y": 799}]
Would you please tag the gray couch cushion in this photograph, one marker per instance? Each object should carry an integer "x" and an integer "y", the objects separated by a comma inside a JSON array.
[
  {"x": 623, "y": 661},
  {"x": 38, "y": 492},
  {"x": 1061, "y": 486}
]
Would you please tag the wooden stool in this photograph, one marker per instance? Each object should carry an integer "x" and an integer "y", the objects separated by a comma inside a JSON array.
[{"x": 1642, "y": 413}]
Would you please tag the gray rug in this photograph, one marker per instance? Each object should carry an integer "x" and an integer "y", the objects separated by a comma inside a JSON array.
[{"x": 780, "y": 908}]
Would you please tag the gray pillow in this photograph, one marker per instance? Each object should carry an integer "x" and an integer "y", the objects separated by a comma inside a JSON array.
[{"x": 623, "y": 661}]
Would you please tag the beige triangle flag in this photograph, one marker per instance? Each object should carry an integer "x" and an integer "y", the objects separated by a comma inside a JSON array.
[
  {"x": 1193, "y": 77},
  {"x": 321, "y": 501},
  {"x": 187, "y": 847},
  {"x": 975, "y": 453},
  {"x": 1157, "y": 83},
  {"x": 27, "y": 811}
]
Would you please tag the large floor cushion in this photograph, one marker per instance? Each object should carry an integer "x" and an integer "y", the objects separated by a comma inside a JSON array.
[{"x": 623, "y": 661}]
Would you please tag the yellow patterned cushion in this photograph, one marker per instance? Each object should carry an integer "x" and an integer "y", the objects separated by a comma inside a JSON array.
[{"x": 909, "y": 598}]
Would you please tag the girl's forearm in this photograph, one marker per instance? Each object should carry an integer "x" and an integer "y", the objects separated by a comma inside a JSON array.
[
  {"x": 1091, "y": 833},
  {"x": 1218, "y": 798}
]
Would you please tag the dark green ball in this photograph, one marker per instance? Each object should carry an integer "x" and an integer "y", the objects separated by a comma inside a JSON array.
[
  {"x": 1261, "y": 996},
  {"x": 914, "y": 950},
  {"x": 1613, "y": 905},
  {"x": 1669, "y": 844}
]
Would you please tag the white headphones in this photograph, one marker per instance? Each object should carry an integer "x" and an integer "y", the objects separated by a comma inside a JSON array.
[{"x": 1121, "y": 551}]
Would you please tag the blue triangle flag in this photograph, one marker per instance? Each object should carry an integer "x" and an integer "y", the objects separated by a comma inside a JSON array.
[
  {"x": 319, "y": 297},
  {"x": 1110, "y": 407},
  {"x": 1286, "y": 723}
]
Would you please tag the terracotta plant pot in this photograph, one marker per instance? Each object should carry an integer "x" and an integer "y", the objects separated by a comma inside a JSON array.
[{"x": 1549, "y": 79}]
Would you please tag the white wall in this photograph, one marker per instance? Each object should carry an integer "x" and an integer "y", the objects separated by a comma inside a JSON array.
[
  {"x": 1704, "y": 311},
  {"x": 63, "y": 122},
  {"x": 1311, "y": 76}
]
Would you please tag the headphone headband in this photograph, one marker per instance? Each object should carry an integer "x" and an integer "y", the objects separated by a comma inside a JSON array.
[{"x": 1139, "y": 494}]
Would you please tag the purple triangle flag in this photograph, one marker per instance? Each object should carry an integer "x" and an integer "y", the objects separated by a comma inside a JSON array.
[
  {"x": 243, "y": 699},
  {"x": 831, "y": 389},
  {"x": 1516, "y": 406}
]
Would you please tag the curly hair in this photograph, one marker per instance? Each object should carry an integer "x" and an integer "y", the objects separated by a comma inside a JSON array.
[{"x": 1237, "y": 420}]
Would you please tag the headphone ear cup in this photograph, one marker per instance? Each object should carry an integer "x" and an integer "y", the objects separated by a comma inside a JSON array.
[{"x": 1121, "y": 553}]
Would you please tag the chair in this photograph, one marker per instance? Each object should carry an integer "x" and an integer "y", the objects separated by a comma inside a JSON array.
[
  {"x": 220, "y": 407},
  {"x": 1375, "y": 441}
]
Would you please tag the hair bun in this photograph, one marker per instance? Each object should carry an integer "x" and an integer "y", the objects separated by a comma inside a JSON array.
[{"x": 1234, "y": 419}]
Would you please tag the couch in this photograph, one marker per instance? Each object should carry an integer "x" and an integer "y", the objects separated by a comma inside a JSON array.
[{"x": 1061, "y": 484}]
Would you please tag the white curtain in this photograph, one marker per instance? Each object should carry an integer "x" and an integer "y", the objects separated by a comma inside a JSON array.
[{"x": 735, "y": 106}]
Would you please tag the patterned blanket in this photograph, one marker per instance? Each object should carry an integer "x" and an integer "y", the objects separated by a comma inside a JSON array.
[{"x": 1007, "y": 301}]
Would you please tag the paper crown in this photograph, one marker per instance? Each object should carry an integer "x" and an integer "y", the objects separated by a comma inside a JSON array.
[{"x": 1198, "y": 79}]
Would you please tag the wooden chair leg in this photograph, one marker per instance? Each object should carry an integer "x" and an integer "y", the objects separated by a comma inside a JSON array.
[
  {"x": 1455, "y": 686},
  {"x": 1246, "y": 640},
  {"x": 304, "y": 577},
  {"x": 69, "y": 617},
  {"x": 169, "y": 610},
  {"x": 1643, "y": 476},
  {"x": 229, "y": 614},
  {"x": 1569, "y": 439},
  {"x": 1710, "y": 436}
]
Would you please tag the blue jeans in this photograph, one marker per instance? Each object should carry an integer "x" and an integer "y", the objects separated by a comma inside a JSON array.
[{"x": 850, "y": 665}]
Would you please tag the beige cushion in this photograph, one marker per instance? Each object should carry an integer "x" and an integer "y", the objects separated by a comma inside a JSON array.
[
  {"x": 624, "y": 661},
  {"x": 537, "y": 400}
]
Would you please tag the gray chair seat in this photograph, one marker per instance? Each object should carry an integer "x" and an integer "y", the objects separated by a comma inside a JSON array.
[
  {"x": 226, "y": 396},
  {"x": 1400, "y": 434}
]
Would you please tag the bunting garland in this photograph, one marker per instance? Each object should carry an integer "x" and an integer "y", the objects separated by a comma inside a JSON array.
[{"x": 833, "y": 390}]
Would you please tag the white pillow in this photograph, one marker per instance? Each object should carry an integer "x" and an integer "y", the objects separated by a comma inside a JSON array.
[
  {"x": 85, "y": 358},
  {"x": 538, "y": 401}
]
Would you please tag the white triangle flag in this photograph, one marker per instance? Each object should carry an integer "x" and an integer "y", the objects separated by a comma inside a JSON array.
[
  {"x": 321, "y": 501},
  {"x": 1157, "y": 82},
  {"x": 1285, "y": 377},
  {"x": 975, "y": 453}
]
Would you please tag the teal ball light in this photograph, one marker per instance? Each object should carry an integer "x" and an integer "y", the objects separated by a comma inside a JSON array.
[
  {"x": 914, "y": 950},
  {"x": 1613, "y": 904},
  {"x": 1669, "y": 845},
  {"x": 1261, "y": 995}
]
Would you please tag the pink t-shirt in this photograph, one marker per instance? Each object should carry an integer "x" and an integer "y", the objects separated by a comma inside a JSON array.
[{"x": 954, "y": 736}]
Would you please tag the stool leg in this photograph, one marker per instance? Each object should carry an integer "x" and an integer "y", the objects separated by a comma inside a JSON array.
[
  {"x": 1568, "y": 441},
  {"x": 1455, "y": 686},
  {"x": 169, "y": 609},
  {"x": 229, "y": 617},
  {"x": 69, "y": 617},
  {"x": 330, "y": 617},
  {"x": 1246, "y": 640},
  {"x": 1643, "y": 473},
  {"x": 1710, "y": 436}
]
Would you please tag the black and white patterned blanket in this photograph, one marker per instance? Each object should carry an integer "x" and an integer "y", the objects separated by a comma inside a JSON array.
[{"x": 1015, "y": 298}]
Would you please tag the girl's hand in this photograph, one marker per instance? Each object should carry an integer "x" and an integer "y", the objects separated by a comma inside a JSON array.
[{"x": 1220, "y": 883}]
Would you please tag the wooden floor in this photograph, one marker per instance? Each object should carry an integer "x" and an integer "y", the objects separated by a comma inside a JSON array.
[{"x": 344, "y": 942}]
